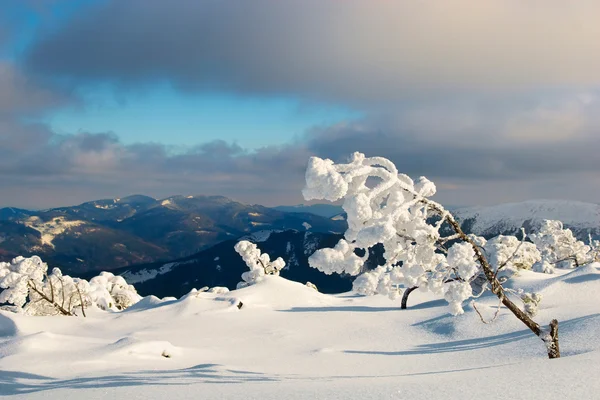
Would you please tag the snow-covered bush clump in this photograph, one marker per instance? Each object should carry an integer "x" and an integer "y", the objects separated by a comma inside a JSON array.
[
  {"x": 26, "y": 284},
  {"x": 112, "y": 292},
  {"x": 512, "y": 253},
  {"x": 259, "y": 264},
  {"x": 386, "y": 207},
  {"x": 560, "y": 248}
]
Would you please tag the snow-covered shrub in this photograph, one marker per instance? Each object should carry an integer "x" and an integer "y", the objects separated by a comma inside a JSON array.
[
  {"x": 26, "y": 284},
  {"x": 511, "y": 252},
  {"x": 560, "y": 248},
  {"x": 389, "y": 208},
  {"x": 259, "y": 264},
  {"x": 110, "y": 292}
]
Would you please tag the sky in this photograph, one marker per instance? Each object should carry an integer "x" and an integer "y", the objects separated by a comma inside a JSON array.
[{"x": 495, "y": 101}]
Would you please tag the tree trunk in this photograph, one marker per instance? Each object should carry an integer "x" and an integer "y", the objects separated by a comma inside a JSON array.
[
  {"x": 407, "y": 292},
  {"x": 552, "y": 344},
  {"x": 551, "y": 339}
]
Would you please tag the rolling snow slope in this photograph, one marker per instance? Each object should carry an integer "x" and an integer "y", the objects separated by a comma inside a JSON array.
[{"x": 289, "y": 341}]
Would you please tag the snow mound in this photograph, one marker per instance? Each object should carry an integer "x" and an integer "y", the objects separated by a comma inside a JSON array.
[
  {"x": 7, "y": 325},
  {"x": 147, "y": 303},
  {"x": 141, "y": 349},
  {"x": 278, "y": 293}
]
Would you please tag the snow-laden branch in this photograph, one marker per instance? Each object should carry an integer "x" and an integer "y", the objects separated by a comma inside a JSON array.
[{"x": 259, "y": 264}]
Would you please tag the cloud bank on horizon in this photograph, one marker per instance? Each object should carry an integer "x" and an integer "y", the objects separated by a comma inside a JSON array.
[{"x": 495, "y": 101}]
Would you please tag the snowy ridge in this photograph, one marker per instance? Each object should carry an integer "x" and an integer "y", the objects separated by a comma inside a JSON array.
[{"x": 510, "y": 217}]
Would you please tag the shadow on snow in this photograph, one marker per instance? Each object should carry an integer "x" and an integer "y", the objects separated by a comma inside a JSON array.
[{"x": 13, "y": 383}]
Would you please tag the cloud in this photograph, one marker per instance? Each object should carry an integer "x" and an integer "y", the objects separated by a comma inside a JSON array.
[
  {"x": 493, "y": 100},
  {"x": 355, "y": 51},
  {"x": 21, "y": 94},
  {"x": 74, "y": 168}
]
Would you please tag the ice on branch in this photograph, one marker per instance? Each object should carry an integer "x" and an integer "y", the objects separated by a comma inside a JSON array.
[
  {"x": 26, "y": 284},
  {"x": 259, "y": 264}
]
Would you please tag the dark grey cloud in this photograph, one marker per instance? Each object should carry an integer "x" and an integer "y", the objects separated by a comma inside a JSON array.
[
  {"x": 351, "y": 51},
  {"x": 22, "y": 94}
]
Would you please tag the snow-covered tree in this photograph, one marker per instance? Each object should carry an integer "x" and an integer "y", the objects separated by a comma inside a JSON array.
[
  {"x": 560, "y": 248},
  {"x": 259, "y": 264},
  {"x": 384, "y": 206},
  {"x": 26, "y": 284}
]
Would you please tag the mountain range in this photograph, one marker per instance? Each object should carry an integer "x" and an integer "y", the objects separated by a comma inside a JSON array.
[
  {"x": 222, "y": 266},
  {"x": 166, "y": 247},
  {"x": 508, "y": 218},
  {"x": 108, "y": 234}
]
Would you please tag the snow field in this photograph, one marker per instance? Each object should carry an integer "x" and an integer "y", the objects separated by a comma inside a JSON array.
[{"x": 289, "y": 341}]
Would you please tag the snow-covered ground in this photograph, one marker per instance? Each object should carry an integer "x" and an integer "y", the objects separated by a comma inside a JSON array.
[{"x": 288, "y": 341}]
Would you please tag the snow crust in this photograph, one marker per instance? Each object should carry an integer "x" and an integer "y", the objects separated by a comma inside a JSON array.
[{"x": 289, "y": 341}]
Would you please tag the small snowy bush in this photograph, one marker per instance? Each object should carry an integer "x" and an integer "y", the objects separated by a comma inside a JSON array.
[
  {"x": 560, "y": 248},
  {"x": 26, "y": 284},
  {"x": 511, "y": 252},
  {"x": 259, "y": 264},
  {"x": 110, "y": 292}
]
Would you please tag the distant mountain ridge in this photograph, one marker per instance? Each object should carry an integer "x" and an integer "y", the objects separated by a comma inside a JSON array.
[
  {"x": 582, "y": 218},
  {"x": 111, "y": 233},
  {"x": 139, "y": 230},
  {"x": 222, "y": 266}
]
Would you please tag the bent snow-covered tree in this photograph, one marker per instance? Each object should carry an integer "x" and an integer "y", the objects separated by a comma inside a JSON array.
[
  {"x": 387, "y": 207},
  {"x": 259, "y": 264}
]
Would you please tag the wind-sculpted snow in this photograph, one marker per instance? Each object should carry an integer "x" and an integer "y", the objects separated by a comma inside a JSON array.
[{"x": 289, "y": 341}]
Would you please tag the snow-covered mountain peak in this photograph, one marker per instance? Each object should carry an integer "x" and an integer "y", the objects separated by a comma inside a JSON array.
[{"x": 508, "y": 217}]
